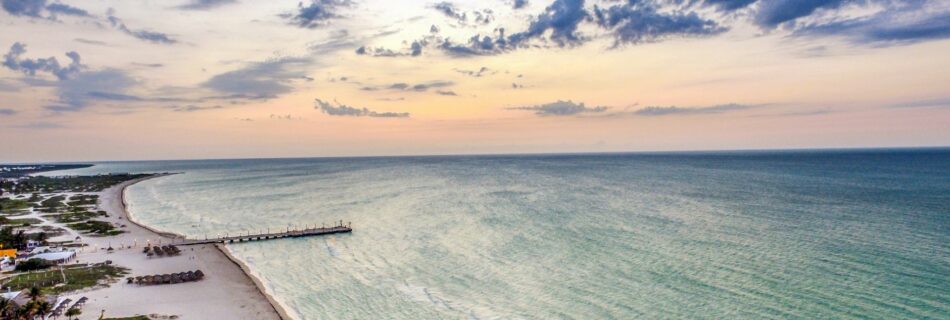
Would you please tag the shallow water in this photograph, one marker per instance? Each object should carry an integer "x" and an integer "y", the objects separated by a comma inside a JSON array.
[{"x": 832, "y": 234}]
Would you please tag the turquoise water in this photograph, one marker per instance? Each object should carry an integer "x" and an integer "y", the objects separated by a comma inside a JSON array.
[{"x": 830, "y": 234}]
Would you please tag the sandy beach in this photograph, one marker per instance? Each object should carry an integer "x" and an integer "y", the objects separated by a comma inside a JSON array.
[{"x": 226, "y": 292}]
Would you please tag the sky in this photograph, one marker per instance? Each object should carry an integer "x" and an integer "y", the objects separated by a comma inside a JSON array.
[{"x": 201, "y": 79}]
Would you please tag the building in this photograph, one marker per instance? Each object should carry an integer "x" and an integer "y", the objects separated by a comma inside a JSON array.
[{"x": 58, "y": 257}]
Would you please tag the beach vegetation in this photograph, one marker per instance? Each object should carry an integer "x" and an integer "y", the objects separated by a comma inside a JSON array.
[
  {"x": 44, "y": 184},
  {"x": 95, "y": 227},
  {"x": 9, "y": 205},
  {"x": 34, "y": 264},
  {"x": 83, "y": 200},
  {"x": 77, "y": 277}
]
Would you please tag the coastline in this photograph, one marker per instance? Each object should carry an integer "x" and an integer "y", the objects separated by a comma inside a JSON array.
[
  {"x": 231, "y": 292},
  {"x": 278, "y": 307},
  {"x": 281, "y": 312},
  {"x": 125, "y": 206}
]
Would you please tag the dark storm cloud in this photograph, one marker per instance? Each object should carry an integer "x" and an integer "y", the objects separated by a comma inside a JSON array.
[
  {"x": 317, "y": 13},
  {"x": 562, "y": 108},
  {"x": 338, "y": 109},
  {"x": 674, "y": 110}
]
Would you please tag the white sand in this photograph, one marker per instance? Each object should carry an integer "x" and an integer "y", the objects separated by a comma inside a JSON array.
[{"x": 225, "y": 293}]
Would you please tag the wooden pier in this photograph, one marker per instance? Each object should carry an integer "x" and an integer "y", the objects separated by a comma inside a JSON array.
[{"x": 289, "y": 233}]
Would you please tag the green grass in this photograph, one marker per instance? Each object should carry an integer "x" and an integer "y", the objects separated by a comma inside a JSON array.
[
  {"x": 82, "y": 200},
  {"x": 20, "y": 222},
  {"x": 52, "y": 204},
  {"x": 95, "y": 227},
  {"x": 8, "y": 205},
  {"x": 77, "y": 277},
  {"x": 74, "y": 216}
]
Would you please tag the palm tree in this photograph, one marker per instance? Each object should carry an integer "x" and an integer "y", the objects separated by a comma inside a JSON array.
[
  {"x": 73, "y": 312},
  {"x": 36, "y": 293},
  {"x": 43, "y": 308},
  {"x": 7, "y": 308}
]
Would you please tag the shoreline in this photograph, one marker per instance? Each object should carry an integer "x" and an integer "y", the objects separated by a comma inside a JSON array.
[
  {"x": 230, "y": 286},
  {"x": 278, "y": 308},
  {"x": 128, "y": 215}
]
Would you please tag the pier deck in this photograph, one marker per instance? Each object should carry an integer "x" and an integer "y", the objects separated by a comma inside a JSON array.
[{"x": 310, "y": 232}]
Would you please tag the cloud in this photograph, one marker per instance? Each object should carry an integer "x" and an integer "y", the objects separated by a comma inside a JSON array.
[
  {"x": 317, "y": 14},
  {"x": 475, "y": 73},
  {"x": 729, "y": 5},
  {"x": 77, "y": 92},
  {"x": 204, "y": 4},
  {"x": 908, "y": 24},
  {"x": 284, "y": 117},
  {"x": 7, "y": 112},
  {"x": 40, "y": 125},
  {"x": 414, "y": 50},
  {"x": 674, "y": 110},
  {"x": 449, "y": 10},
  {"x": 932, "y": 103},
  {"x": 446, "y": 93},
  {"x": 263, "y": 80},
  {"x": 519, "y": 4},
  {"x": 59, "y": 8},
  {"x": 36, "y": 9},
  {"x": 561, "y": 19},
  {"x": 562, "y": 108},
  {"x": 30, "y": 67},
  {"x": 770, "y": 14},
  {"x": 150, "y": 36},
  {"x": 193, "y": 108},
  {"x": 639, "y": 22},
  {"x": 431, "y": 84},
  {"x": 338, "y": 109},
  {"x": 92, "y": 42},
  {"x": 148, "y": 65},
  {"x": 29, "y": 8},
  {"x": 402, "y": 86}
]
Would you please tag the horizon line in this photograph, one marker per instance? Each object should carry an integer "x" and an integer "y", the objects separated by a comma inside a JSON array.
[{"x": 618, "y": 152}]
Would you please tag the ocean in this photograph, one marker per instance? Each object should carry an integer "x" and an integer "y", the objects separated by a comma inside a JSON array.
[{"x": 848, "y": 234}]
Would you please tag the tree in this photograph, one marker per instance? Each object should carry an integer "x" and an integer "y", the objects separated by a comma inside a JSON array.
[
  {"x": 7, "y": 309},
  {"x": 36, "y": 293},
  {"x": 73, "y": 312}
]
